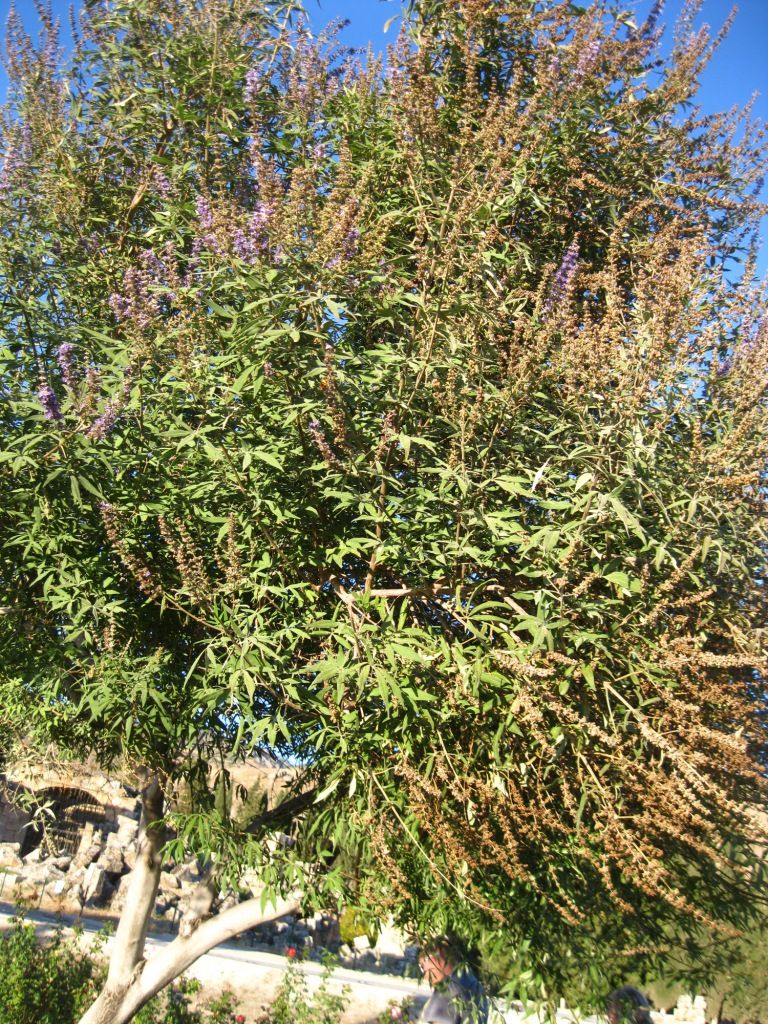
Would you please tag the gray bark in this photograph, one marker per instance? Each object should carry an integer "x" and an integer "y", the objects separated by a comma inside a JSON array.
[{"x": 127, "y": 955}]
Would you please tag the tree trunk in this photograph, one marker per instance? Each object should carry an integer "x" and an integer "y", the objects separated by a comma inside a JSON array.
[
  {"x": 118, "y": 1003},
  {"x": 131, "y": 980},
  {"x": 130, "y": 937}
]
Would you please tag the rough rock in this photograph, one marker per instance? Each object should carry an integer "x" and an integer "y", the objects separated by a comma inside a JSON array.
[
  {"x": 169, "y": 882},
  {"x": 163, "y": 904},
  {"x": 120, "y": 894},
  {"x": 194, "y": 906},
  {"x": 127, "y": 828},
  {"x": 75, "y": 876},
  {"x": 87, "y": 855},
  {"x": 95, "y": 885},
  {"x": 229, "y": 901},
  {"x": 59, "y": 887},
  {"x": 42, "y": 874},
  {"x": 189, "y": 872},
  {"x": 111, "y": 859},
  {"x": 89, "y": 848},
  {"x": 391, "y": 941},
  {"x": 9, "y": 857},
  {"x": 170, "y": 899}
]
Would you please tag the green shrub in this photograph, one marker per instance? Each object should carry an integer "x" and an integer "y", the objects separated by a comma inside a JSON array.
[
  {"x": 43, "y": 984},
  {"x": 293, "y": 1002},
  {"x": 54, "y": 983},
  {"x": 255, "y": 803},
  {"x": 352, "y": 924},
  {"x": 396, "y": 1010}
]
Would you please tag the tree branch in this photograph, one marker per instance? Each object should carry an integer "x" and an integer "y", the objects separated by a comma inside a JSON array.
[
  {"x": 119, "y": 1003},
  {"x": 175, "y": 958},
  {"x": 284, "y": 813}
]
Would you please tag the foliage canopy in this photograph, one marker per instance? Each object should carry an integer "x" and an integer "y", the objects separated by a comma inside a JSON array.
[{"x": 403, "y": 420}]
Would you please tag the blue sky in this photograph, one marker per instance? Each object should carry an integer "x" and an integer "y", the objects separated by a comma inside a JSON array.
[{"x": 739, "y": 68}]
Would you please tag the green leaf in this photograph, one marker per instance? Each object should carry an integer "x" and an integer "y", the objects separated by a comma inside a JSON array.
[
  {"x": 267, "y": 457},
  {"x": 627, "y": 518}
]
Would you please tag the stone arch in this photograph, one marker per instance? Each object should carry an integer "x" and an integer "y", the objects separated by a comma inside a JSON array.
[{"x": 61, "y": 827}]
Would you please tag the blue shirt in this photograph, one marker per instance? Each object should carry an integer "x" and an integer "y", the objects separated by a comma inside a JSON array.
[{"x": 458, "y": 1000}]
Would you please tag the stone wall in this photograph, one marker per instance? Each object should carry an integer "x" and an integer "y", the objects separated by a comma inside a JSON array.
[{"x": 78, "y": 845}]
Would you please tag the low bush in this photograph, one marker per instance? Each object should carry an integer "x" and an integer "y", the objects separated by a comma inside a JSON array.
[
  {"x": 294, "y": 1003},
  {"x": 54, "y": 982}
]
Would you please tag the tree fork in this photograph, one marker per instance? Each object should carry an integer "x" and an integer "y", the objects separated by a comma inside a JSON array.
[
  {"x": 131, "y": 980},
  {"x": 122, "y": 999}
]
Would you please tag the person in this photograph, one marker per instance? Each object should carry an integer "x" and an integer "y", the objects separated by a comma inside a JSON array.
[
  {"x": 628, "y": 1005},
  {"x": 457, "y": 996}
]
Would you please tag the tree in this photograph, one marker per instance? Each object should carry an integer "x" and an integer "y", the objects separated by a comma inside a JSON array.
[{"x": 408, "y": 423}]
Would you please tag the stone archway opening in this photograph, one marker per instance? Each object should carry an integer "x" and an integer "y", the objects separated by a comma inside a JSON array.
[{"x": 67, "y": 810}]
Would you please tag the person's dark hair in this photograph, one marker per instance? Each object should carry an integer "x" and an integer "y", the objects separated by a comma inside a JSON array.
[
  {"x": 449, "y": 947},
  {"x": 629, "y": 1004}
]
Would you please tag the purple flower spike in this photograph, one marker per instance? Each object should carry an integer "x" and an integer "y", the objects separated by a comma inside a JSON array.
[
  {"x": 162, "y": 184},
  {"x": 348, "y": 251},
  {"x": 315, "y": 426},
  {"x": 350, "y": 242},
  {"x": 563, "y": 279},
  {"x": 253, "y": 242},
  {"x": 725, "y": 367},
  {"x": 104, "y": 424},
  {"x": 260, "y": 218},
  {"x": 152, "y": 263},
  {"x": 241, "y": 245},
  {"x": 207, "y": 238},
  {"x": 587, "y": 60},
  {"x": 251, "y": 90},
  {"x": 64, "y": 358},
  {"x": 49, "y": 402},
  {"x": 92, "y": 382},
  {"x": 204, "y": 212},
  {"x": 8, "y": 171},
  {"x": 127, "y": 383},
  {"x": 119, "y": 305}
]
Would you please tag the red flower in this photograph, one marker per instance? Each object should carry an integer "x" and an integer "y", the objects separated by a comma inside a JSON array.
[
  {"x": 239, "y": 1018},
  {"x": 291, "y": 952}
]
